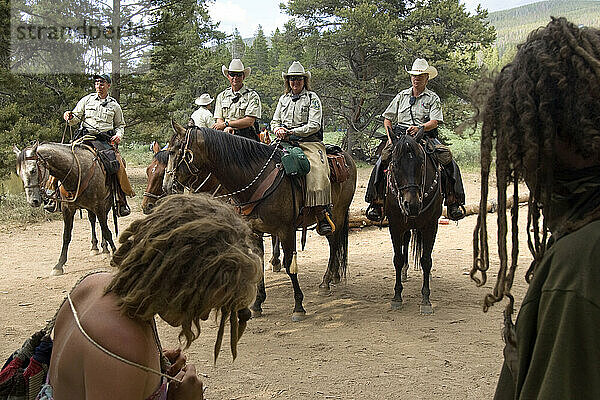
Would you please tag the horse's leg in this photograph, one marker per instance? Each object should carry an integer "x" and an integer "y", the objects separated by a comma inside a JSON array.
[
  {"x": 68, "y": 214},
  {"x": 400, "y": 245},
  {"x": 106, "y": 233},
  {"x": 275, "y": 261},
  {"x": 338, "y": 257},
  {"x": 428, "y": 239},
  {"x": 92, "y": 217},
  {"x": 405, "y": 244},
  {"x": 261, "y": 293},
  {"x": 289, "y": 254}
]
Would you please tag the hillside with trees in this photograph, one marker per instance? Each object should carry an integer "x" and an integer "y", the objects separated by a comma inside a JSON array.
[
  {"x": 513, "y": 25},
  {"x": 356, "y": 51}
]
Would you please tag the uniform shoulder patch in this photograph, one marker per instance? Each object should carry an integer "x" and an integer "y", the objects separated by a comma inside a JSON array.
[{"x": 315, "y": 104}]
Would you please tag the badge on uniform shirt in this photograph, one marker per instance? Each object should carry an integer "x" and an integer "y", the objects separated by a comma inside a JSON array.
[{"x": 315, "y": 104}]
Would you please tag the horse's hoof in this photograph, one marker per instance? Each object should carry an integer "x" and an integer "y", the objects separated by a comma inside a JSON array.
[
  {"x": 426, "y": 309},
  {"x": 57, "y": 272},
  {"x": 298, "y": 316},
  {"x": 324, "y": 291},
  {"x": 94, "y": 252},
  {"x": 256, "y": 313},
  {"x": 276, "y": 267},
  {"x": 396, "y": 305}
]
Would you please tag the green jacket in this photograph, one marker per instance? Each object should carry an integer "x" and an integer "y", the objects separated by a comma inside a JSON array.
[{"x": 558, "y": 327}]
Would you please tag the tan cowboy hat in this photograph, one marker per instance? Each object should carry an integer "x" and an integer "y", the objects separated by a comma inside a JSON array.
[
  {"x": 421, "y": 66},
  {"x": 203, "y": 100},
  {"x": 236, "y": 66},
  {"x": 296, "y": 69}
]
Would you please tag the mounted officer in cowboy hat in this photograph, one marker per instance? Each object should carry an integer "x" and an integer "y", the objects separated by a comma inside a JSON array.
[
  {"x": 237, "y": 108},
  {"x": 414, "y": 109},
  {"x": 298, "y": 118}
]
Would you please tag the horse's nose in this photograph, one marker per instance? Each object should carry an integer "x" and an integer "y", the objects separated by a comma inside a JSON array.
[
  {"x": 35, "y": 203},
  {"x": 412, "y": 207},
  {"x": 148, "y": 208}
]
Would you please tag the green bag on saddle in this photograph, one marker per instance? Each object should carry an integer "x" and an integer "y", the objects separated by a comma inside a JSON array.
[{"x": 294, "y": 161}]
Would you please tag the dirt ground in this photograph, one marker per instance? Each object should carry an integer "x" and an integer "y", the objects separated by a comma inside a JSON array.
[{"x": 350, "y": 346}]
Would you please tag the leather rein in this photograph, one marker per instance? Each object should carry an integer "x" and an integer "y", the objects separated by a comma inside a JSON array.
[
  {"x": 70, "y": 197},
  {"x": 430, "y": 192},
  {"x": 264, "y": 189}
]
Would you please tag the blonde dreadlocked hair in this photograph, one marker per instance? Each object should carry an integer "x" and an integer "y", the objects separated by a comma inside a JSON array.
[
  {"x": 191, "y": 255},
  {"x": 550, "y": 92}
]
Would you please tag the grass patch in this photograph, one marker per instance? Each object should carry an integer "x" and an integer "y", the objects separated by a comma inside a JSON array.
[
  {"x": 14, "y": 209},
  {"x": 136, "y": 154},
  {"x": 465, "y": 148}
]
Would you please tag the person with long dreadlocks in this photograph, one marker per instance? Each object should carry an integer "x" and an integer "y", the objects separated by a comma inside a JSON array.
[
  {"x": 543, "y": 115},
  {"x": 191, "y": 255}
]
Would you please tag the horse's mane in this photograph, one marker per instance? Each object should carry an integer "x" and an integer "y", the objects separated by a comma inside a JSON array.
[
  {"x": 21, "y": 156},
  {"x": 162, "y": 157},
  {"x": 236, "y": 150},
  {"x": 399, "y": 147}
]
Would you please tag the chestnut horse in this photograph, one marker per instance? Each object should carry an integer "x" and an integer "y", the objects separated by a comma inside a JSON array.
[
  {"x": 154, "y": 191},
  {"x": 238, "y": 163}
]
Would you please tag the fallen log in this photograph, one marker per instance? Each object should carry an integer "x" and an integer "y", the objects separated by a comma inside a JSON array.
[{"x": 357, "y": 219}]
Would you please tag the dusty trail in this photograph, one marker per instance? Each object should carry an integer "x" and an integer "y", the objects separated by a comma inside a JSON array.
[{"x": 351, "y": 345}]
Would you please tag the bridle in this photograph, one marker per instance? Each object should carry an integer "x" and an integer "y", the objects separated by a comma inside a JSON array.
[
  {"x": 423, "y": 192},
  {"x": 37, "y": 157},
  {"x": 40, "y": 178},
  {"x": 194, "y": 171}
]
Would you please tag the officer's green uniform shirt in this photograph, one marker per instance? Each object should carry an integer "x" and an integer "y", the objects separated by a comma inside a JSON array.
[
  {"x": 427, "y": 107},
  {"x": 100, "y": 115},
  {"x": 303, "y": 116},
  {"x": 228, "y": 109}
]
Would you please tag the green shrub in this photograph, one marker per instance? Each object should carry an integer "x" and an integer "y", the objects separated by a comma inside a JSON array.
[
  {"x": 136, "y": 154},
  {"x": 465, "y": 148}
]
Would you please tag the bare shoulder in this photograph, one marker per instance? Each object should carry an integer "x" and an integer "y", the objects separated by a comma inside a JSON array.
[{"x": 102, "y": 320}]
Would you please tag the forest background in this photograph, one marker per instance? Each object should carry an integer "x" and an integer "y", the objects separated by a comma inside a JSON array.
[{"x": 165, "y": 53}]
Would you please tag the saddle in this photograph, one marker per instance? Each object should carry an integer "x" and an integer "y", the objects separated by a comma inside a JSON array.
[{"x": 338, "y": 169}]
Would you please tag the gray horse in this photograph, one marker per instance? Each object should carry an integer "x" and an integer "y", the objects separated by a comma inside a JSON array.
[{"x": 81, "y": 176}]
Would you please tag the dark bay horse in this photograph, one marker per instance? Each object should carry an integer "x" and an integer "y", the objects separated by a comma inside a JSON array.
[
  {"x": 79, "y": 172},
  {"x": 240, "y": 165},
  {"x": 155, "y": 173},
  {"x": 413, "y": 206}
]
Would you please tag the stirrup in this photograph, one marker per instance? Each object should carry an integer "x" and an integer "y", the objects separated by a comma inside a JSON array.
[
  {"x": 51, "y": 206},
  {"x": 374, "y": 212},
  {"x": 456, "y": 211},
  {"x": 123, "y": 210},
  {"x": 324, "y": 228}
]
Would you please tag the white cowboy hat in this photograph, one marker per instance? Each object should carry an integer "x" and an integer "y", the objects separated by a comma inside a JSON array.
[
  {"x": 296, "y": 69},
  {"x": 236, "y": 66},
  {"x": 203, "y": 100},
  {"x": 421, "y": 66}
]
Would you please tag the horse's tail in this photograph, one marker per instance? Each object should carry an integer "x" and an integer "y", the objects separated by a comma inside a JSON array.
[
  {"x": 338, "y": 245},
  {"x": 416, "y": 243}
]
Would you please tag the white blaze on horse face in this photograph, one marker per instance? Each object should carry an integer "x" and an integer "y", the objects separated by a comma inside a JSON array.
[
  {"x": 29, "y": 173},
  {"x": 169, "y": 174}
]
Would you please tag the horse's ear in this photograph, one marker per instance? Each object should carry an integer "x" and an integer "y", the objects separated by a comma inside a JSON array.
[
  {"x": 180, "y": 130},
  {"x": 155, "y": 147},
  {"x": 16, "y": 149}
]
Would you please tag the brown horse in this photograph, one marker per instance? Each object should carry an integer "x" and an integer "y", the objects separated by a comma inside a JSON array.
[
  {"x": 194, "y": 183},
  {"x": 239, "y": 164},
  {"x": 413, "y": 206},
  {"x": 79, "y": 172}
]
